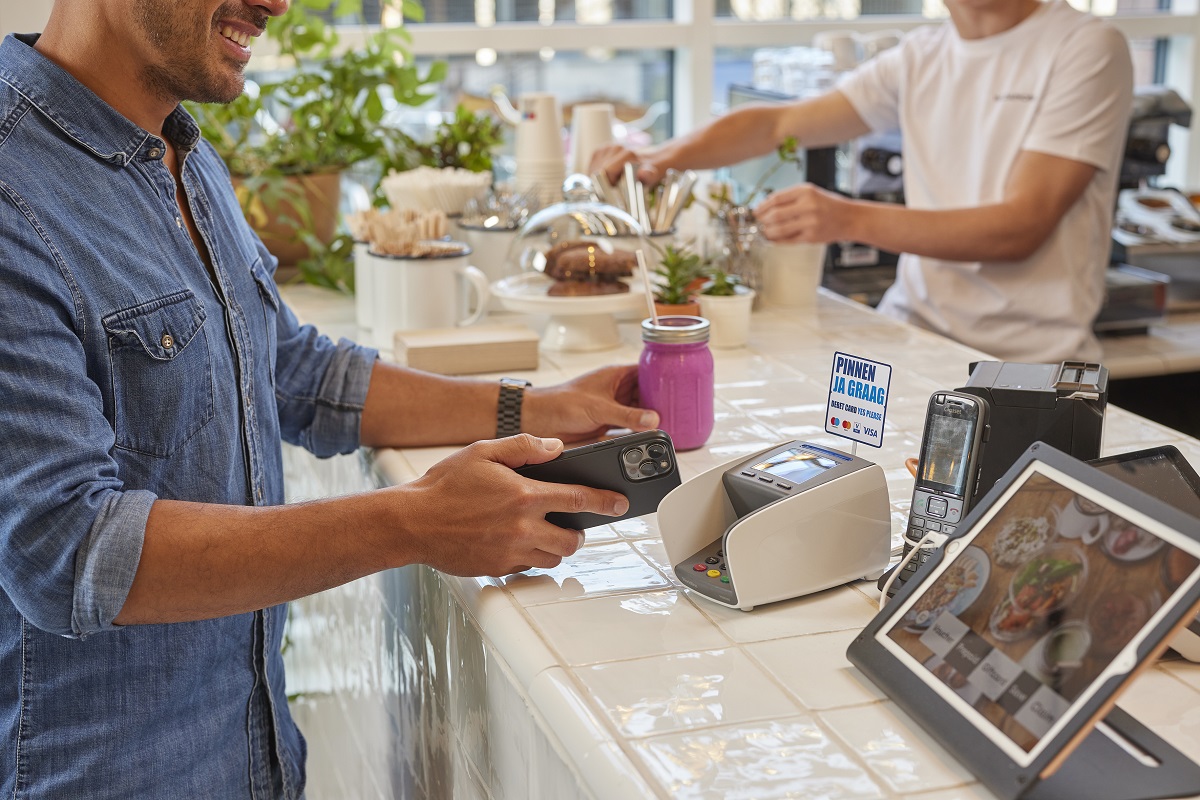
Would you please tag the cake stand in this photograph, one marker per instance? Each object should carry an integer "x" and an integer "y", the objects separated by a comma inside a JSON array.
[{"x": 577, "y": 324}]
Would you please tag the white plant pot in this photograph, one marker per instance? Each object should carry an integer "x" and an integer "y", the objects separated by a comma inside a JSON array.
[
  {"x": 791, "y": 274},
  {"x": 729, "y": 317}
]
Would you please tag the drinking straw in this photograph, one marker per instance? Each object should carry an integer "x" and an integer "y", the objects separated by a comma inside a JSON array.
[{"x": 641, "y": 259}]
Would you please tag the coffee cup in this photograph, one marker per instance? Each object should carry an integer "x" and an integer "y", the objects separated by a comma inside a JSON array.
[
  {"x": 539, "y": 130},
  {"x": 491, "y": 252},
  {"x": 364, "y": 289},
  {"x": 412, "y": 292},
  {"x": 591, "y": 129}
]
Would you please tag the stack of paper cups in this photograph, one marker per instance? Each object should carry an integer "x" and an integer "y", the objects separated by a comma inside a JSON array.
[
  {"x": 591, "y": 129},
  {"x": 541, "y": 166}
]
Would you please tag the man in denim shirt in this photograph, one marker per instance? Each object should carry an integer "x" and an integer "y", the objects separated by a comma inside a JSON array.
[{"x": 148, "y": 371}]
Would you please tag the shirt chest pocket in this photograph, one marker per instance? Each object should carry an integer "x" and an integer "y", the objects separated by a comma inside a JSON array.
[
  {"x": 162, "y": 381},
  {"x": 270, "y": 311}
]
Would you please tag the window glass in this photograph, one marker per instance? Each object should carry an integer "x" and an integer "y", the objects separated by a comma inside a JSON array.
[
  {"x": 488, "y": 12},
  {"x": 826, "y": 9},
  {"x": 636, "y": 82}
]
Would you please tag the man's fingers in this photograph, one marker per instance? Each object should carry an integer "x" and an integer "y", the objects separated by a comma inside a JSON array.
[
  {"x": 573, "y": 499},
  {"x": 560, "y": 542},
  {"x": 517, "y": 451},
  {"x": 636, "y": 419}
]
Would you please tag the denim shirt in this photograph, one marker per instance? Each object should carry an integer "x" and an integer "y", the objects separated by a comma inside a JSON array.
[{"x": 127, "y": 374}]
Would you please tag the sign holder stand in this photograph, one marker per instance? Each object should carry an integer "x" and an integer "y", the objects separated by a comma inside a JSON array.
[{"x": 1121, "y": 759}]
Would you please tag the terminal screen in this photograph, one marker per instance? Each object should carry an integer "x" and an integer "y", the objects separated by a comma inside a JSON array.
[{"x": 797, "y": 465}]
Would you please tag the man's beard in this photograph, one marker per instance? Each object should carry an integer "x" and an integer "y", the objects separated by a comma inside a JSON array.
[{"x": 187, "y": 69}]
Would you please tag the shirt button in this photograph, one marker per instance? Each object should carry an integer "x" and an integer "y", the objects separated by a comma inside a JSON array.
[
  {"x": 167, "y": 341},
  {"x": 179, "y": 222},
  {"x": 155, "y": 153}
]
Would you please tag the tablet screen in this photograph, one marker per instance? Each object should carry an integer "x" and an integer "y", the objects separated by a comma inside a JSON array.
[{"x": 1023, "y": 623}]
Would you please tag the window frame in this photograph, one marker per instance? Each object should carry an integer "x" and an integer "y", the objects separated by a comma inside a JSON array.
[{"x": 695, "y": 34}]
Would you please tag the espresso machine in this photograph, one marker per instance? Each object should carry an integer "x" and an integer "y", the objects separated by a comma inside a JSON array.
[
  {"x": 875, "y": 170},
  {"x": 1156, "y": 229}
]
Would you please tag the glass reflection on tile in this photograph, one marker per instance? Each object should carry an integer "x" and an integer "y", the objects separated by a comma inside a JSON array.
[
  {"x": 625, "y": 626},
  {"x": 637, "y": 527},
  {"x": 599, "y": 535},
  {"x": 654, "y": 552},
  {"x": 592, "y": 571},
  {"x": 896, "y": 749},
  {"x": 688, "y": 690},
  {"x": 836, "y": 609},
  {"x": 786, "y": 758}
]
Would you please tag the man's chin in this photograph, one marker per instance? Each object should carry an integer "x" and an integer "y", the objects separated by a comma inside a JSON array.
[{"x": 225, "y": 91}]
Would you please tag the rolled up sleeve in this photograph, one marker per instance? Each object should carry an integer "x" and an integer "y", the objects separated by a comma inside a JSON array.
[
  {"x": 70, "y": 537},
  {"x": 108, "y": 558}
]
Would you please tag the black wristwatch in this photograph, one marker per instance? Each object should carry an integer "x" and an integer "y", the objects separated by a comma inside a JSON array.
[{"x": 508, "y": 411}]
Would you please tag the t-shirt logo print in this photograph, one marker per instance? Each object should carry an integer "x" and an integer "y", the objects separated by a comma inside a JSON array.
[{"x": 1022, "y": 97}]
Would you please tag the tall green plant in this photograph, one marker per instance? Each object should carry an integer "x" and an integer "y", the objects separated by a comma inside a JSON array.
[{"x": 326, "y": 116}]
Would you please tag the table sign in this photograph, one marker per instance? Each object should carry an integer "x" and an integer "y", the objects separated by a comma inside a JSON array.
[{"x": 858, "y": 395}]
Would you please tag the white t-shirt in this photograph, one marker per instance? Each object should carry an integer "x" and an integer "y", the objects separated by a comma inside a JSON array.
[{"x": 1060, "y": 83}]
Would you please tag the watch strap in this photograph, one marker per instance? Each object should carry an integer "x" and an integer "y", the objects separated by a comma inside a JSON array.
[{"x": 508, "y": 410}]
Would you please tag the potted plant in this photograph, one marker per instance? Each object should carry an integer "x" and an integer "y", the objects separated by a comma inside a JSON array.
[
  {"x": 287, "y": 143},
  {"x": 734, "y": 241},
  {"x": 726, "y": 303},
  {"x": 677, "y": 276}
]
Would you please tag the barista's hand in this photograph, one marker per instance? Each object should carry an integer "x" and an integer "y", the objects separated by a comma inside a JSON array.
[
  {"x": 586, "y": 407},
  {"x": 471, "y": 514},
  {"x": 805, "y": 213},
  {"x": 612, "y": 159}
]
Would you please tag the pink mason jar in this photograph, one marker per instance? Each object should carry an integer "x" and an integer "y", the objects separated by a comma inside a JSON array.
[{"x": 675, "y": 378}]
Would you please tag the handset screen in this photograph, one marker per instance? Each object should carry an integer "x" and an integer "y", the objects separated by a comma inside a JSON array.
[{"x": 945, "y": 453}]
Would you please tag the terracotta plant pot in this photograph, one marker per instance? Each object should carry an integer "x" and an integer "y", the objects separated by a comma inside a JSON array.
[
  {"x": 691, "y": 309},
  {"x": 277, "y": 223}
]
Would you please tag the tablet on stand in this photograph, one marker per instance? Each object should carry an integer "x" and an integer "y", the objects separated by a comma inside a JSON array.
[{"x": 1012, "y": 644}]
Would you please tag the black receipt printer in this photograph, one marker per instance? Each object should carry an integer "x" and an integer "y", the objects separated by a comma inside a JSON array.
[{"x": 1059, "y": 404}]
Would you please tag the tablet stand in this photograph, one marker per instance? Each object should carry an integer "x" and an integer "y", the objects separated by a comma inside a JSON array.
[{"x": 1101, "y": 769}]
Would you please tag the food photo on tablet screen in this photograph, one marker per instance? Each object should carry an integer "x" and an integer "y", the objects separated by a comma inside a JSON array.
[{"x": 1019, "y": 624}]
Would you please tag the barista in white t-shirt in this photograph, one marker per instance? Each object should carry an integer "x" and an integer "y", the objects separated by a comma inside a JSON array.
[{"x": 1014, "y": 118}]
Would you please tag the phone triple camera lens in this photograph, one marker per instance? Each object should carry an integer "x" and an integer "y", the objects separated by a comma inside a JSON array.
[{"x": 646, "y": 461}]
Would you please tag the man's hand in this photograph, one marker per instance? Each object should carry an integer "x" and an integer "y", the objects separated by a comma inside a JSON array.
[
  {"x": 471, "y": 514},
  {"x": 805, "y": 213},
  {"x": 588, "y": 406},
  {"x": 612, "y": 158}
]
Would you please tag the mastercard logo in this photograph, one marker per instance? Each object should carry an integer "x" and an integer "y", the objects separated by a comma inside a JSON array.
[{"x": 846, "y": 424}]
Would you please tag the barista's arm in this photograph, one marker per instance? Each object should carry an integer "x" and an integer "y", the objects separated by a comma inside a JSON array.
[
  {"x": 1040, "y": 190},
  {"x": 747, "y": 132}
]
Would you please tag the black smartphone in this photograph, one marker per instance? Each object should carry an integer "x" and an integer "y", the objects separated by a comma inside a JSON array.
[
  {"x": 641, "y": 466},
  {"x": 947, "y": 480}
]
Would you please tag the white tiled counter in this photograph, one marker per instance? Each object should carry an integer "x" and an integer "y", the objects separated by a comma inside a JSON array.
[
  {"x": 1170, "y": 346},
  {"x": 602, "y": 678}
]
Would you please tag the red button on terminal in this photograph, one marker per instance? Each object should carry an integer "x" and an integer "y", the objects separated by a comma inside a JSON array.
[{"x": 699, "y": 567}]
